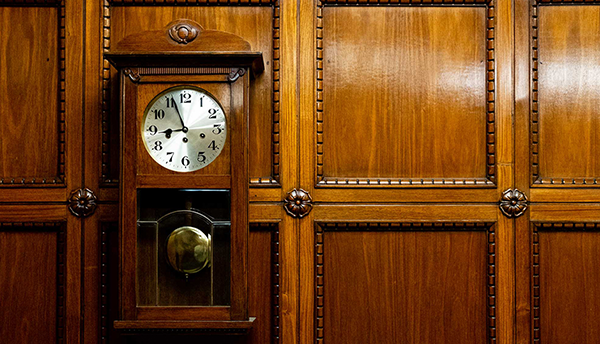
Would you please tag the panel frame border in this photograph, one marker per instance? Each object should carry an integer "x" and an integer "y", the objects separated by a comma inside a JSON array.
[
  {"x": 536, "y": 180},
  {"x": 59, "y": 228},
  {"x": 536, "y": 228},
  {"x": 272, "y": 181},
  {"x": 59, "y": 179},
  {"x": 489, "y": 181},
  {"x": 353, "y": 226}
]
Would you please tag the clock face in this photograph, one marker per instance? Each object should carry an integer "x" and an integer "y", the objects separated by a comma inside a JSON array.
[{"x": 184, "y": 128}]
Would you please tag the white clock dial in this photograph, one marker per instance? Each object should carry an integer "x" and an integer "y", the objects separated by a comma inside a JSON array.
[{"x": 184, "y": 128}]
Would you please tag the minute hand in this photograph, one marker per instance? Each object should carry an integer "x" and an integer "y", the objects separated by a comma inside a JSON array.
[{"x": 179, "y": 114}]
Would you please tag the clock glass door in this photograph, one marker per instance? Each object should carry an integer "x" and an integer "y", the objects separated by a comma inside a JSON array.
[{"x": 183, "y": 247}]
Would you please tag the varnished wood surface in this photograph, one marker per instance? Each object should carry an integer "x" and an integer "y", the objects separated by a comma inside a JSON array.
[
  {"x": 254, "y": 24},
  {"x": 404, "y": 287},
  {"x": 567, "y": 46},
  {"x": 261, "y": 283},
  {"x": 29, "y": 93},
  {"x": 568, "y": 285},
  {"x": 416, "y": 107},
  {"x": 568, "y": 41},
  {"x": 28, "y": 286}
]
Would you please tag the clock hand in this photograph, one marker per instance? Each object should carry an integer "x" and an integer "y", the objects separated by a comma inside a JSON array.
[
  {"x": 169, "y": 131},
  {"x": 179, "y": 114}
]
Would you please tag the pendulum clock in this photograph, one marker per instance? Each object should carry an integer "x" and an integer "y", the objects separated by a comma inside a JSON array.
[{"x": 184, "y": 113}]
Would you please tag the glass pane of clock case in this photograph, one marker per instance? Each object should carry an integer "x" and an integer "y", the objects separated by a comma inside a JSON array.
[{"x": 183, "y": 247}]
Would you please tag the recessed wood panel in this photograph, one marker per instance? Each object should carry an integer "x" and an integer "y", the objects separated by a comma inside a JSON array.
[
  {"x": 404, "y": 286},
  {"x": 28, "y": 286},
  {"x": 566, "y": 114},
  {"x": 263, "y": 281},
  {"x": 30, "y": 96},
  {"x": 256, "y": 24},
  {"x": 404, "y": 93},
  {"x": 566, "y": 285}
]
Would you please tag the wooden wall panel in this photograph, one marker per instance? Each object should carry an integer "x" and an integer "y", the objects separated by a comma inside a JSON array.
[
  {"x": 32, "y": 95},
  {"x": 405, "y": 284},
  {"x": 566, "y": 88},
  {"x": 263, "y": 283},
  {"x": 566, "y": 280},
  {"x": 259, "y": 25},
  {"x": 405, "y": 95},
  {"x": 32, "y": 285}
]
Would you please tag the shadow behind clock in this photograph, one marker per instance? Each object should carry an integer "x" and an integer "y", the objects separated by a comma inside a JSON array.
[{"x": 160, "y": 212}]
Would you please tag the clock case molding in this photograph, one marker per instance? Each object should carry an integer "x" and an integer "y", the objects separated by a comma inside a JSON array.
[{"x": 184, "y": 53}]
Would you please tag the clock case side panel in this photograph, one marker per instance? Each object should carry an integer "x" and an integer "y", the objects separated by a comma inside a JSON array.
[
  {"x": 239, "y": 82},
  {"x": 128, "y": 196}
]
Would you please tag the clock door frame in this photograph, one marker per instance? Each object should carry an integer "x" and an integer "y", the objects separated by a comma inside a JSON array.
[{"x": 236, "y": 181}]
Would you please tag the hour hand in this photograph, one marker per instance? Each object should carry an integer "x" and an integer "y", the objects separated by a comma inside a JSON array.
[{"x": 168, "y": 132}]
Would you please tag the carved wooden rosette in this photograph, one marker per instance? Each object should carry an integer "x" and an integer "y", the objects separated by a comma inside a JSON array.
[
  {"x": 513, "y": 203},
  {"x": 298, "y": 203},
  {"x": 184, "y": 31},
  {"x": 82, "y": 202}
]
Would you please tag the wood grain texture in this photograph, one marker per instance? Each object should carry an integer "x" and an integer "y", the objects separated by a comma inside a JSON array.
[
  {"x": 263, "y": 283},
  {"x": 402, "y": 2},
  {"x": 427, "y": 91},
  {"x": 565, "y": 283},
  {"x": 564, "y": 92},
  {"x": 192, "y": 2},
  {"x": 32, "y": 285},
  {"x": 405, "y": 267},
  {"x": 259, "y": 25},
  {"x": 32, "y": 88}
]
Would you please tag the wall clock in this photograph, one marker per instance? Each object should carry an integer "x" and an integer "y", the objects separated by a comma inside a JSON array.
[
  {"x": 184, "y": 178},
  {"x": 184, "y": 128}
]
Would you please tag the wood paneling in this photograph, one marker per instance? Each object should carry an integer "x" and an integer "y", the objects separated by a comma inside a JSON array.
[
  {"x": 32, "y": 61},
  {"x": 263, "y": 283},
  {"x": 405, "y": 283},
  {"x": 402, "y": 97},
  {"x": 565, "y": 283},
  {"x": 259, "y": 25},
  {"x": 32, "y": 268},
  {"x": 565, "y": 90}
]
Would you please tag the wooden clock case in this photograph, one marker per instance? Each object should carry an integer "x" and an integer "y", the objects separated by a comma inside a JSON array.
[{"x": 183, "y": 53}]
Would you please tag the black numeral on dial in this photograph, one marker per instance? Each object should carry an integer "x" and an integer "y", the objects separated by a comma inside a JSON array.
[
  {"x": 185, "y": 161},
  {"x": 159, "y": 114},
  {"x": 153, "y": 130},
  {"x": 201, "y": 157},
  {"x": 212, "y": 113},
  {"x": 185, "y": 98},
  {"x": 170, "y": 102},
  {"x": 213, "y": 145},
  {"x": 158, "y": 145}
]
